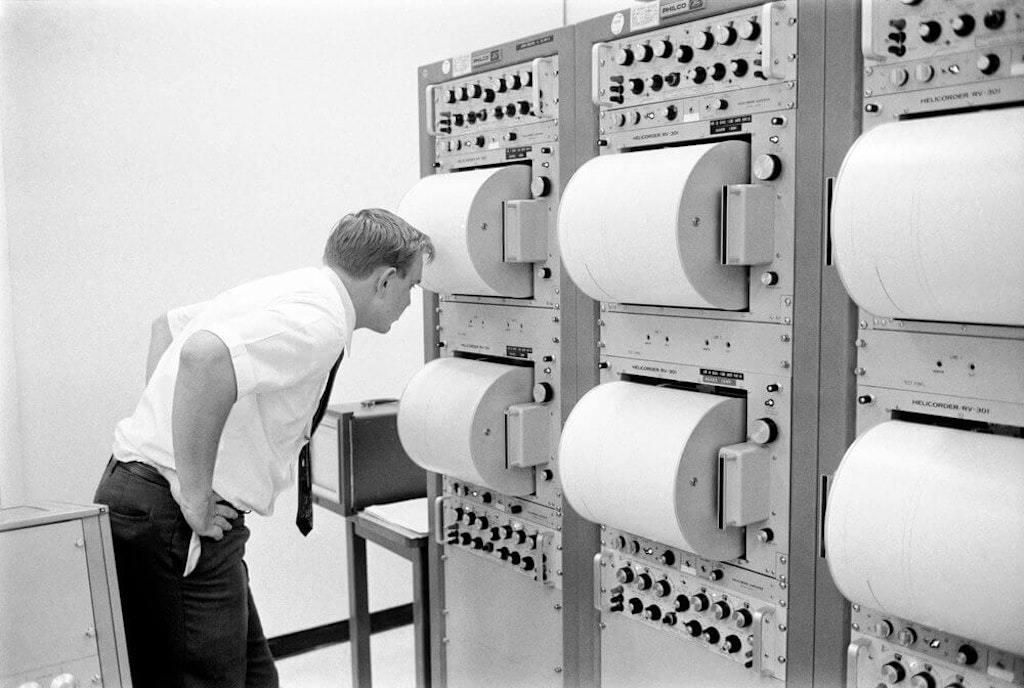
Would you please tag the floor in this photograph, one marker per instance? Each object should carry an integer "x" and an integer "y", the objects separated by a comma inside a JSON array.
[{"x": 391, "y": 655}]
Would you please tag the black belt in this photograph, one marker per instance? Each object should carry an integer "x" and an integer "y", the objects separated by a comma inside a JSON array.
[
  {"x": 144, "y": 471},
  {"x": 152, "y": 475}
]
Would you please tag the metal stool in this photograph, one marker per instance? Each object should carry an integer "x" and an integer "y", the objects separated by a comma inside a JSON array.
[{"x": 361, "y": 472}]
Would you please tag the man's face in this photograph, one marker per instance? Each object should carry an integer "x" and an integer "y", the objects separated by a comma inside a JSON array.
[{"x": 393, "y": 295}]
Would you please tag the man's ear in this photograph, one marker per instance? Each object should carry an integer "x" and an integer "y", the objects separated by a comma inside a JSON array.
[{"x": 386, "y": 275}]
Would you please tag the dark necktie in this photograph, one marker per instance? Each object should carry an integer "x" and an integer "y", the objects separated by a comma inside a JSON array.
[{"x": 304, "y": 515}]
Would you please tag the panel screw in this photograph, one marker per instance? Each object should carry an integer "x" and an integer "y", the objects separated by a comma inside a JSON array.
[
  {"x": 79, "y": 542},
  {"x": 558, "y": 670},
  {"x": 859, "y": 371},
  {"x": 558, "y": 606},
  {"x": 90, "y": 632},
  {"x": 784, "y": 364}
]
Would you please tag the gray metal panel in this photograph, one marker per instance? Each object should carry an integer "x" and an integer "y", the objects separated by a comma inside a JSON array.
[
  {"x": 647, "y": 658},
  {"x": 838, "y": 325},
  {"x": 512, "y": 639}
]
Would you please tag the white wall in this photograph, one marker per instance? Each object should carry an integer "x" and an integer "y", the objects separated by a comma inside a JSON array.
[
  {"x": 12, "y": 474},
  {"x": 159, "y": 152},
  {"x": 577, "y": 11}
]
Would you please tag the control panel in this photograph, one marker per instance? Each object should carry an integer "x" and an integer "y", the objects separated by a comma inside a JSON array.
[
  {"x": 511, "y": 532},
  {"x": 898, "y": 652},
  {"x": 961, "y": 54},
  {"x": 727, "y": 610}
]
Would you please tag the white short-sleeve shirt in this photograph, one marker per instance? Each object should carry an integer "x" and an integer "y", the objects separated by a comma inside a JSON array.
[{"x": 284, "y": 334}]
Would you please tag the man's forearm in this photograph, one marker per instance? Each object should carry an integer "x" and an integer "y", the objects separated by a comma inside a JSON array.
[
  {"x": 204, "y": 393},
  {"x": 159, "y": 339}
]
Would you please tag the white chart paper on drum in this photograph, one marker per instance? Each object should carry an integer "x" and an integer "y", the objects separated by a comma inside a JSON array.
[
  {"x": 927, "y": 219},
  {"x": 451, "y": 420},
  {"x": 927, "y": 524},
  {"x": 644, "y": 459},
  {"x": 644, "y": 227},
  {"x": 463, "y": 214}
]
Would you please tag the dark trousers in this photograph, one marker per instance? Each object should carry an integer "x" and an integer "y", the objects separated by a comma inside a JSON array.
[{"x": 196, "y": 632}]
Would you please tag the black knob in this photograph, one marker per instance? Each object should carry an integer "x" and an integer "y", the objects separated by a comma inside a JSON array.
[
  {"x": 470, "y": 117},
  {"x": 475, "y": 91},
  {"x": 726, "y": 35},
  {"x": 655, "y": 82},
  {"x": 624, "y": 57},
  {"x": 478, "y": 543},
  {"x": 673, "y": 79},
  {"x": 470, "y": 518},
  {"x": 764, "y": 431},
  {"x": 495, "y": 533},
  {"x": 922, "y": 679},
  {"x": 698, "y": 75},
  {"x": 636, "y": 86},
  {"x": 988, "y": 64},
  {"x": 682, "y": 603},
  {"x": 449, "y": 96},
  {"x": 668, "y": 558},
  {"x": 524, "y": 107},
  {"x": 742, "y": 618},
  {"x": 489, "y": 95},
  {"x": 963, "y": 25},
  {"x": 481, "y": 115},
  {"x": 703, "y": 40},
  {"x": 669, "y": 619},
  {"x": 615, "y": 607},
  {"x": 644, "y": 581},
  {"x": 693, "y": 628},
  {"x": 624, "y": 575},
  {"x": 684, "y": 53},
  {"x": 540, "y": 186},
  {"x": 459, "y": 513},
  {"x": 526, "y": 77},
  {"x": 662, "y": 588},
  {"x": 929, "y": 31},
  {"x": 716, "y": 575},
  {"x": 498, "y": 84},
  {"x": 463, "y": 93},
  {"x": 739, "y": 67},
  {"x": 458, "y": 119},
  {"x": 515, "y": 82},
  {"x": 966, "y": 655},
  {"x": 718, "y": 71},
  {"x": 893, "y": 672},
  {"x": 994, "y": 19},
  {"x": 644, "y": 53},
  {"x": 465, "y": 538},
  {"x": 662, "y": 48},
  {"x": 527, "y": 564},
  {"x": 721, "y": 610},
  {"x": 547, "y": 474},
  {"x": 749, "y": 30},
  {"x": 486, "y": 498},
  {"x": 712, "y": 635},
  {"x": 732, "y": 644},
  {"x": 499, "y": 112},
  {"x": 481, "y": 141},
  {"x": 652, "y": 613},
  {"x": 635, "y": 605},
  {"x": 519, "y": 537},
  {"x": 514, "y": 558},
  {"x": 700, "y": 601},
  {"x": 510, "y": 110},
  {"x": 506, "y": 532}
]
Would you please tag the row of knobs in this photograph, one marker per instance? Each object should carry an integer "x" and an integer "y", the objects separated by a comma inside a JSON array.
[
  {"x": 697, "y": 75},
  {"x": 694, "y": 628},
  {"x": 499, "y": 112},
  {"x": 496, "y": 85},
  {"x": 698, "y": 602},
  {"x": 931, "y": 30},
  {"x": 62, "y": 681},
  {"x": 724, "y": 34},
  {"x": 894, "y": 672}
]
